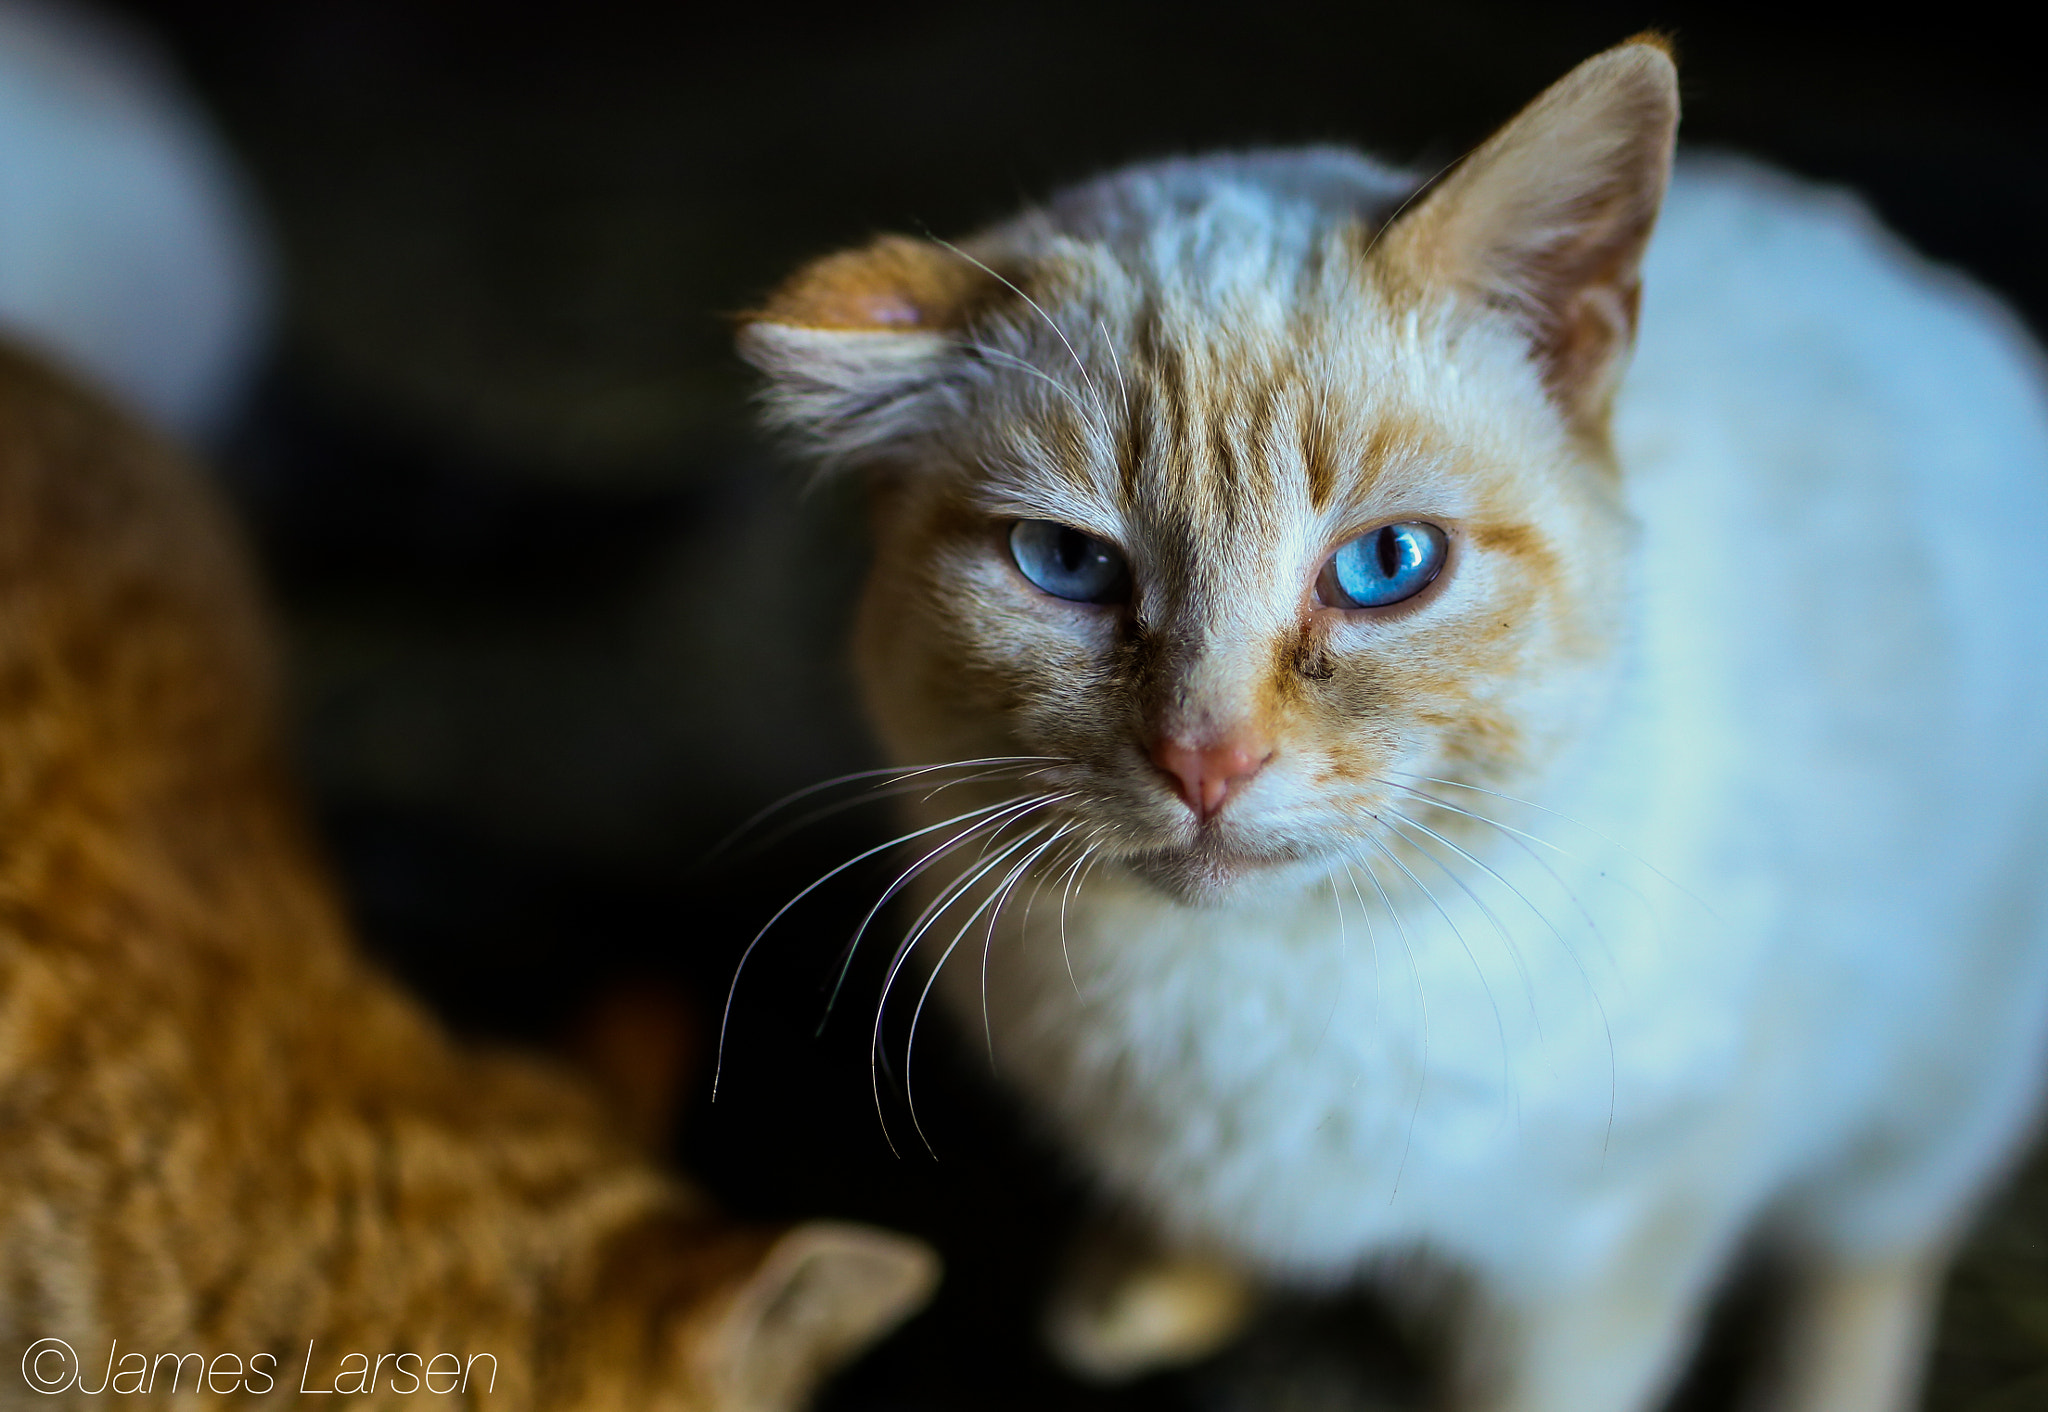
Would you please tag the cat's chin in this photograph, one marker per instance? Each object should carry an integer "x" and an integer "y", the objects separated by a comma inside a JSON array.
[{"x": 1211, "y": 873}]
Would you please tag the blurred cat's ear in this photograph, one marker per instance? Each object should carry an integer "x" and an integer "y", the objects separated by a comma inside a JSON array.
[
  {"x": 1548, "y": 219},
  {"x": 823, "y": 1293},
  {"x": 851, "y": 341}
]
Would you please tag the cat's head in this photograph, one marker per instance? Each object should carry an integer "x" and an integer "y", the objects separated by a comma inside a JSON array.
[{"x": 1246, "y": 488}]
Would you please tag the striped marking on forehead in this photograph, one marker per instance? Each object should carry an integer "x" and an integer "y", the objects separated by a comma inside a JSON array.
[
  {"x": 1217, "y": 436},
  {"x": 1196, "y": 414}
]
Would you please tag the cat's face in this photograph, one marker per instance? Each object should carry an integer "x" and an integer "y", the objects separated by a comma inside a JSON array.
[{"x": 1241, "y": 507}]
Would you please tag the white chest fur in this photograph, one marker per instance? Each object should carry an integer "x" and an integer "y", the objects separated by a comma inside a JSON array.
[{"x": 1781, "y": 952}]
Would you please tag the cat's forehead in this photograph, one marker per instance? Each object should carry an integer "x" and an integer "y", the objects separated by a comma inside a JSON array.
[
  {"x": 1195, "y": 343},
  {"x": 1189, "y": 215},
  {"x": 1201, "y": 395}
]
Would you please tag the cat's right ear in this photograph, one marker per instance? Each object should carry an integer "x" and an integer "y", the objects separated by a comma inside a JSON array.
[
  {"x": 823, "y": 1293},
  {"x": 853, "y": 343},
  {"x": 1547, "y": 221}
]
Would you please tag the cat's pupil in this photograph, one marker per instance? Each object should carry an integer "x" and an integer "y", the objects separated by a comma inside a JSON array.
[
  {"x": 1074, "y": 549},
  {"x": 1388, "y": 547}
]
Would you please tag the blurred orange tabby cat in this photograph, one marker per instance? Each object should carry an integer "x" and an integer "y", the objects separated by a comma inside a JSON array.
[{"x": 225, "y": 1135}]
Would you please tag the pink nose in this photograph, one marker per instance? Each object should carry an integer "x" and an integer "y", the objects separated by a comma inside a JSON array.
[{"x": 1205, "y": 774}]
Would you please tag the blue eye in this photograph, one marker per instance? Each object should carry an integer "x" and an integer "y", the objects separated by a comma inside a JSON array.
[
  {"x": 1067, "y": 563},
  {"x": 1389, "y": 564}
]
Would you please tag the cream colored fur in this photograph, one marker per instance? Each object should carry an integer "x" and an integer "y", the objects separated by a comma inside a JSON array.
[{"x": 1765, "y": 957}]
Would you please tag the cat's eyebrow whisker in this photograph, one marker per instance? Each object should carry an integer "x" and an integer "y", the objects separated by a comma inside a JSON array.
[
  {"x": 951, "y": 893},
  {"x": 1117, "y": 365},
  {"x": 1409, "y": 200},
  {"x": 1035, "y": 308},
  {"x": 1023, "y": 365},
  {"x": 725, "y": 1018}
]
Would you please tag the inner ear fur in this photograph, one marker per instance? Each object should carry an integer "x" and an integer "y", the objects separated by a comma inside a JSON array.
[
  {"x": 1548, "y": 219},
  {"x": 682, "y": 1312},
  {"x": 823, "y": 1292}
]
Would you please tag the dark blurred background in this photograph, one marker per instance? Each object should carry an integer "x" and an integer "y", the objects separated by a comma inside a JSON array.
[{"x": 559, "y": 620}]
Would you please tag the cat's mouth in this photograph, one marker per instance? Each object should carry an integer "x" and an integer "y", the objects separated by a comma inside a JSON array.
[{"x": 1211, "y": 869}]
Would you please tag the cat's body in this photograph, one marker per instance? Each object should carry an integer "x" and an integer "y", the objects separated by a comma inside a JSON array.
[
  {"x": 1767, "y": 960},
  {"x": 1298, "y": 1082},
  {"x": 222, "y": 1133},
  {"x": 1895, "y": 707}
]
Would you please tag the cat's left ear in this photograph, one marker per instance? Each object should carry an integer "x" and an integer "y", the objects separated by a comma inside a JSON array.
[
  {"x": 853, "y": 342},
  {"x": 1547, "y": 220}
]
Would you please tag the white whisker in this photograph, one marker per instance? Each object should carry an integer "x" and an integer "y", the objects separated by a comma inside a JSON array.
[
  {"x": 1057, "y": 331},
  {"x": 1499, "y": 1024},
  {"x": 725, "y": 1018},
  {"x": 988, "y": 945},
  {"x": 1422, "y": 1004},
  {"x": 989, "y": 904},
  {"x": 1410, "y": 199},
  {"x": 1521, "y": 896},
  {"x": 901, "y": 772},
  {"x": 952, "y": 892},
  {"x": 1507, "y": 942},
  {"x": 884, "y": 790},
  {"x": 1070, "y": 848},
  {"x": 1343, "y": 965},
  {"x": 994, "y": 824},
  {"x": 1082, "y": 864},
  {"x": 1524, "y": 841},
  {"x": 1585, "y": 977},
  {"x": 1372, "y": 943},
  {"x": 1611, "y": 843}
]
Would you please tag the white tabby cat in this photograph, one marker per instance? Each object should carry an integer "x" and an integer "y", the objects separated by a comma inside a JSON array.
[{"x": 1268, "y": 536}]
